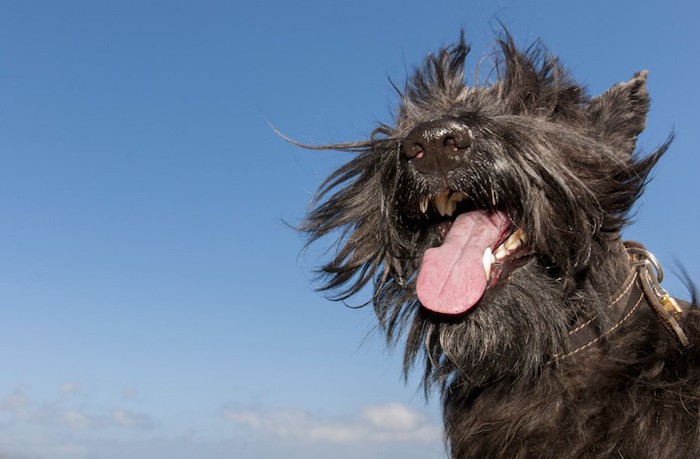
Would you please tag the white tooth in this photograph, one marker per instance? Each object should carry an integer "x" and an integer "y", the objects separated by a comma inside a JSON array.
[
  {"x": 501, "y": 252},
  {"x": 440, "y": 202},
  {"x": 458, "y": 196},
  {"x": 451, "y": 207},
  {"x": 424, "y": 204},
  {"x": 520, "y": 234},
  {"x": 452, "y": 202},
  {"x": 487, "y": 260},
  {"x": 513, "y": 242},
  {"x": 523, "y": 235}
]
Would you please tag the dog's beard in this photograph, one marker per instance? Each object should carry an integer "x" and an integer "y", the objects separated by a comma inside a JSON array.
[{"x": 516, "y": 327}]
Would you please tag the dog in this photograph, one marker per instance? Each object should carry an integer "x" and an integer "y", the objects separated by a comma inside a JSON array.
[{"x": 487, "y": 220}]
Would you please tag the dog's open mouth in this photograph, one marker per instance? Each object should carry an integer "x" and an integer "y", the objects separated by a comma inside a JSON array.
[{"x": 476, "y": 245}]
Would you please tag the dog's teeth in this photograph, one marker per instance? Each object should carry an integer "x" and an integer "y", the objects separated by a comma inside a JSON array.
[
  {"x": 424, "y": 204},
  {"x": 451, "y": 207},
  {"x": 446, "y": 203},
  {"x": 458, "y": 196},
  {"x": 487, "y": 260},
  {"x": 436, "y": 202},
  {"x": 455, "y": 198},
  {"x": 513, "y": 241},
  {"x": 520, "y": 234},
  {"x": 441, "y": 203},
  {"x": 523, "y": 235},
  {"x": 501, "y": 252}
]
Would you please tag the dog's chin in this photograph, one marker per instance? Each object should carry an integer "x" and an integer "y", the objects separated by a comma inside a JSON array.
[
  {"x": 514, "y": 313},
  {"x": 500, "y": 274}
]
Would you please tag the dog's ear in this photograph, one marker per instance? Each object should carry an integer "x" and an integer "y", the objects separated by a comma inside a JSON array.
[{"x": 619, "y": 114}]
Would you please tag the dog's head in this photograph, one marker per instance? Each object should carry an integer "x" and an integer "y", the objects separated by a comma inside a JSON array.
[{"x": 480, "y": 212}]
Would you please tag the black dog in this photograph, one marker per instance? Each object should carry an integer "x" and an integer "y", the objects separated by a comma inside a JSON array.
[{"x": 488, "y": 220}]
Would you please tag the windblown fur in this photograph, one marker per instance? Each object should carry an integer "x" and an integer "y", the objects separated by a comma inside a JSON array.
[{"x": 561, "y": 165}]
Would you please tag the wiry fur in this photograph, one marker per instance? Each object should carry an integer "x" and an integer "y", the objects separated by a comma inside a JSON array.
[{"x": 562, "y": 166}]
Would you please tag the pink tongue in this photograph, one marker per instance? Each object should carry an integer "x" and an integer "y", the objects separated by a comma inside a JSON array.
[{"x": 451, "y": 278}]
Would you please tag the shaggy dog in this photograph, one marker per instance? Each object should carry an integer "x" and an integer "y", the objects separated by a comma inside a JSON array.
[{"x": 487, "y": 219}]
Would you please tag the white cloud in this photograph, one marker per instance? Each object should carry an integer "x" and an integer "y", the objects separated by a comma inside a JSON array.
[
  {"x": 75, "y": 418},
  {"x": 69, "y": 388},
  {"x": 394, "y": 417},
  {"x": 130, "y": 393},
  {"x": 131, "y": 420},
  {"x": 15, "y": 402},
  {"x": 391, "y": 423},
  {"x": 58, "y": 426},
  {"x": 17, "y": 406}
]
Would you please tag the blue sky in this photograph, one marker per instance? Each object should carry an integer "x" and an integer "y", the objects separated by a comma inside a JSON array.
[{"x": 154, "y": 299}]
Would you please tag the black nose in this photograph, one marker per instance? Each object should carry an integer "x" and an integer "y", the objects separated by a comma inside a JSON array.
[{"x": 438, "y": 146}]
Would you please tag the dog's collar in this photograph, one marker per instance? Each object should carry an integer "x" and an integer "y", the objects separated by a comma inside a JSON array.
[{"x": 642, "y": 283}]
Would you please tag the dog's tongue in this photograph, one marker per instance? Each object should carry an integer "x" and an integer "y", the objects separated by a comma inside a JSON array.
[{"x": 451, "y": 278}]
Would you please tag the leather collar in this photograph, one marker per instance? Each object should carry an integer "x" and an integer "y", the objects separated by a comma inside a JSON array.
[{"x": 641, "y": 286}]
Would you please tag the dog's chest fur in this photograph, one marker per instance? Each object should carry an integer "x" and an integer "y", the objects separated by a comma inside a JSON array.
[{"x": 634, "y": 398}]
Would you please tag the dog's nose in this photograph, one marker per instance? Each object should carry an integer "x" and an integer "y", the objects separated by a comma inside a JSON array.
[{"x": 438, "y": 146}]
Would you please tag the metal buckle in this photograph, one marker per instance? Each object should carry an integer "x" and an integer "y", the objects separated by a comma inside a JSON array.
[{"x": 664, "y": 306}]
